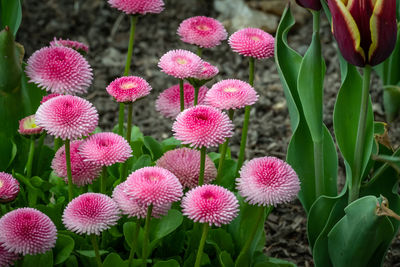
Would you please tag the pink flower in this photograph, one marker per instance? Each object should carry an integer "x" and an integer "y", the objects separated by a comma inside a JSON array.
[
  {"x": 9, "y": 187},
  {"x": 153, "y": 186},
  {"x": 105, "y": 149},
  {"x": 138, "y": 6},
  {"x": 90, "y": 213},
  {"x": 208, "y": 71},
  {"x": 128, "y": 89},
  {"x": 202, "y": 126},
  {"x": 210, "y": 204},
  {"x": 202, "y": 31},
  {"x": 184, "y": 163},
  {"x": 67, "y": 117},
  {"x": 131, "y": 207},
  {"x": 181, "y": 64},
  {"x": 7, "y": 258},
  {"x": 48, "y": 97},
  {"x": 27, "y": 231},
  {"x": 78, "y": 46},
  {"x": 60, "y": 70},
  {"x": 231, "y": 94},
  {"x": 27, "y": 126},
  {"x": 168, "y": 102},
  {"x": 252, "y": 42},
  {"x": 83, "y": 172},
  {"x": 267, "y": 181}
]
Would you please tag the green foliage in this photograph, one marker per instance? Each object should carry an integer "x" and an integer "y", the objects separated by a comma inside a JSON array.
[{"x": 10, "y": 14}]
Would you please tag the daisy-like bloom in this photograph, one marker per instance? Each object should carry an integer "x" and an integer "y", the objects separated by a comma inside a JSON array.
[
  {"x": 268, "y": 181},
  {"x": 27, "y": 231},
  {"x": 202, "y": 31},
  {"x": 67, "y": 117},
  {"x": 231, "y": 94},
  {"x": 83, "y": 172},
  {"x": 184, "y": 163},
  {"x": 90, "y": 213},
  {"x": 7, "y": 258},
  {"x": 27, "y": 126},
  {"x": 202, "y": 126},
  {"x": 9, "y": 188},
  {"x": 208, "y": 71},
  {"x": 129, "y": 205},
  {"x": 168, "y": 102},
  {"x": 181, "y": 64},
  {"x": 48, "y": 97},
  {"x": 105, "y": 149},
  {"x": 210, "y": 204},
  {"x": 138, "y": 6},
  {"x": 78, "y": 46},
  {"x": 61, "y": 70},
  {"x": 128, "y": 89},
  {"x": 252, "y": 42},
  {"x": 153, "y": 186}
]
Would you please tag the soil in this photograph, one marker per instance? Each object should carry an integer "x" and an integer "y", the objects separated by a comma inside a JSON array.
[{"x": 106, "y": 31}]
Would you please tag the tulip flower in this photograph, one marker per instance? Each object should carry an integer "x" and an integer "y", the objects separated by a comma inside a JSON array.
[
  {"x": 310, "y": 4},
  {"x": 365, "y": 30}
]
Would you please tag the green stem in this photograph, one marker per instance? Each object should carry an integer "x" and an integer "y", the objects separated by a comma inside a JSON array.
[
  {"x": 196, "y": 95},
  {"x": 182, "y": 94},
  {"x": 223, "y": 150},
  {"x": 361, "y": 136},
  {"x": 251, "y": 71},
  {"x": 30, "y": 157},
  {"x": 202, "y": 164},
  {"x": 69, "y": 173},
  {"x": 134, "y": 242},
  {"x": 199, "y": 51},
  {"x": 39, "y": 149},
  {"x": 121, "y": 116},
  {"x": 96, "y": 250},
  {"x": 146, "y": 235},
  {"x": 124, "y": 166},
  {"x": 201, "y": 245},
  {"x": 103, "y": 181}
]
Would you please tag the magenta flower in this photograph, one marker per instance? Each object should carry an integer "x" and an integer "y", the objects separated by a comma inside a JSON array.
[
  {"x": 27, "y": 231},
  {"x": 252, "y": 42},
  {"x": 153, "y": 186},
  {"x": 27, "y": 126},
  {"x": 208, "y": 71},
  {"x": 60, "y": 70},
  {"x": 210, "y": 204},
  {"x": 128, "y": 89},
  {"x": 231, "y": 94},
  {"x": 184, "y": 163},
  {"x": 181, "y": 64},
  {"x": 268, "y": 181},
  {"x": 83, "y": 172},
  {"x": 138, "y": 6},
  {"x": 48, "y": 97},
  {"x": 105, "y": 149},
  {"x": 202, "y": 31},
  {"x": 202, "y": 126},
  {"x": 7, "y": 258},
  {"x": 90, "y": 213},
  {"x": 78, "y": 46},
  {"x": 67, "y": 117},
  {"x": 168, "y": 102},
  {"x": 9, "y": 188},
  {"x": 131, "y": 207}
]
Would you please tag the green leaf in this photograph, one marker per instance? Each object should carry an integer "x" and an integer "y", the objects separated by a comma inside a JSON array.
[
  {"x": 229, "y": 174},
  {"x": 42, "y": 260},
  {"x": 137, "y": 148},
  {"x": 10, "y": 63},
  {"x": 391, "y": 101},
  {"x": 11, "y": 14},
  {"x": 143, "y": 161},
  {"x": 221, "y": 240},
  {"x": 64, "y": 247},
  {"x": 226, "y": 260},
  {"x": 129, "y": 229},
  {"x": 114, "y": 260},
  {"x": 153, "y": 146},
  {"x": 168, "y": 263},
  {"x": 31, "y": 94},
  {"x": 169, "y": 144},
  {"x": 263, "y": 260},
  {"x": 91, "y": 253},
  {"x": 162, "y": 227},
  {"x": 72, "y": 261}
]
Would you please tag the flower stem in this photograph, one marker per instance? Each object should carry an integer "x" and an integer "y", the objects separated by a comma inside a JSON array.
[
  {"x": 96, "y": 250},
  {"x": 134, "y": 242},
  {"x": 196, "y": 95},
  {"x": 124, "y": 166},
  {"x": 361, "y": 135},
  {"x": 103, "y": 181},
  {"x": 224, "y": 148},
  {"x": 202, "y": 164},
  {"x": 201, "y": 245},
  {"x": 146, "y": 235},
  {"x": 199, "y": 51},
  {"x": 182, "y": 95},
  {"x": 121, "y": 115},
  {"x": 69, "y": 172},
  {"x": 30, "y": 157}
]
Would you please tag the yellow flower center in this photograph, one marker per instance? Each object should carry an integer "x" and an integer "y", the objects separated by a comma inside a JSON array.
[
  {"x": 230, "y": 89},
  {"x": 255, "y": 38},
  {"x": 30, "y": 124},
  {"x": 1, "y": 184},
  {"x": 202, "y": 27},
  {"x": 128, "y": 85},
  {"x": 181, "y": 61}
]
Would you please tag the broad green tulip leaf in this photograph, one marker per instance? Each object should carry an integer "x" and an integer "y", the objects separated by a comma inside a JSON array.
[
  {"x": 226, "y": 260},
  {"x": 10, "y": 14},
  {"x": 42, "y": 260},
  {"x": 63, "y": 249},
  {"x": 31, "y": 94},
  {"x": 114, "y": 260},
  {"x": 168, "y": 263},
  {"x": 153, "y": 146},
  {"x": 391, "y": 101},
  {"x": 10, "y": 63}
]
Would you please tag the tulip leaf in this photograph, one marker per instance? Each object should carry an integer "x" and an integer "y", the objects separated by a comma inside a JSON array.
[
  {"x": 391, "y": 101},
  {"x": 10, "y": 63},
  {"x": 10, "y": 14}
]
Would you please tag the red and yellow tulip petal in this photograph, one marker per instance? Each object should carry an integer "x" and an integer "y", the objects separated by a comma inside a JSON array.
[
  {"x": 346, "y": 33},
  {"x": 383, "y": 31}
]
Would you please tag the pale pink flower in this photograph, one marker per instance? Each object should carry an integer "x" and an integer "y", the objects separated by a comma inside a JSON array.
[
  {"x": 208, "y": 71},
  {"x": 27, "y": 126},
  {"x": 60, "y": 70},
  {"x": 268, "y": 181},
  {"x": 78, "y": 46},
  {"x": 252, "y": 42},
  {"x": 181, "y": 64},
  {"x": 9, "y": 187},
  {"x": 128, "y": 89},
  {"x": 138, "y": 6},
  {"x": 7, "y": 258}
]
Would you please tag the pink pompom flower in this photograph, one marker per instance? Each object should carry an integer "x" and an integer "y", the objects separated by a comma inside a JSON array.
[
  {"x": 27, "y": 231},
  {"x": 268, "y": 181},
  {"x": 128, "y": 89},
  {"x": 184, "y": 163},
  {"x": 181, "y": 64},
  {"x": 202, "y": 126},
  {"x": 7, "y": 258},
  {"x": 83, "y": 172},
  {"x": 202, "y": 31},
  {"x": 78, "y": 46},
  {"x": 90, "y": 213},
  {"x": 48, "y": 97},
  {"x": 168, "y": 102},
  {"x": 138, "y": 6},
  {"x": 27, "y": 126},
  {"x": 131, "y": 207},
  {"x": 231, "y": 94},
  {"x": 153, "y": 186},
  {"x": 208, "y": 72},
  {"x": 67, "y": 117},
  {"x": 105, "y": 149},
  {"x": 210, "y": 204},
  {"x": 60, "y": 70},
  {"x": 9, "y": 187},
  {"x": 252, "y": 42}
]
